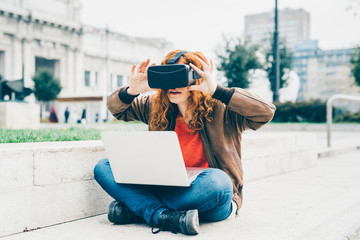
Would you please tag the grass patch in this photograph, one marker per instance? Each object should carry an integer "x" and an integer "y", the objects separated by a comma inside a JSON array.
[{"x": 48, "y": 135}]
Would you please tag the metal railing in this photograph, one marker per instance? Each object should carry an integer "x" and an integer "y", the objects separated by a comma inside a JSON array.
[{"x": 329, "y": 105}]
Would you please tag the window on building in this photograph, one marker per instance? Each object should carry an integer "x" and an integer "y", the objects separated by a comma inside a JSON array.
[
  {"x": 119, "y": 80},
  {"x": 87, "y": 78},
  {"x": 47, "y": 64},
  {"x": 96, "y": 78}
]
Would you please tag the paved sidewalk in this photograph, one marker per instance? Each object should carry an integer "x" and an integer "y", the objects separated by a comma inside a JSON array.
[{"x": 322, "y": 202}]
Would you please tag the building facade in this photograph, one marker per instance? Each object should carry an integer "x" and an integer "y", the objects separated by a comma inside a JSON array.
[
  {"x": 329, "y": 73},
  {"x": 90, "y": 62},
  {"x": 303, "y": 52},
  {"x": 294, "y": 26},
  {"x": 323, "y": 73}
]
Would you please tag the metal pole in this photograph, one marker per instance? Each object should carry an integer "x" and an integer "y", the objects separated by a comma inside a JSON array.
[
  {"x": 329, "y": 119},
  {"x": 107, "y": 72},
  {"x": 329, "y": 105},
  {"x": 276, "y": 55}
]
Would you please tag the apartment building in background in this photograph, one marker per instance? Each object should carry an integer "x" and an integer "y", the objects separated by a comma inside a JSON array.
[
  {"x": 294, "y": 26},
  {"x": 90, "y": 62},
  {"x": 302, "y": 53},
  {"x": 329, "y": 73},
  {"x": 323, "y": 73}
]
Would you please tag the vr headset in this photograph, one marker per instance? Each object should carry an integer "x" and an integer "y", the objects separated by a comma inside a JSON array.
[{"x": 172, "y": 75}]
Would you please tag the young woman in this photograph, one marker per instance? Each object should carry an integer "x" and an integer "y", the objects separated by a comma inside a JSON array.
[{"x": 209, "y": 120}]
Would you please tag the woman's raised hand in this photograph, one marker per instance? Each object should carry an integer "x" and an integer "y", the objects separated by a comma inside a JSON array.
[
  {"x": 208, "y": 85},
  {"x": 138, "y": 78}
]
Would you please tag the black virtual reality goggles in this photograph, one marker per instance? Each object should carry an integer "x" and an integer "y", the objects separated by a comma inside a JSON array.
[{"x": 172, "y": 75}]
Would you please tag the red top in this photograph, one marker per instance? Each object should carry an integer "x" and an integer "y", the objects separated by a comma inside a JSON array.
[{"x": 191, "y": 145}]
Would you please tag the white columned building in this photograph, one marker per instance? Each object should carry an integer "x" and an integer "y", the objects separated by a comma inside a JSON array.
[{"x": 90, "y": 62}]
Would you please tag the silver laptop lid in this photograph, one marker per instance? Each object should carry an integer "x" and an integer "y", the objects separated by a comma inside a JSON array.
[{"x": 152, "y": 157}]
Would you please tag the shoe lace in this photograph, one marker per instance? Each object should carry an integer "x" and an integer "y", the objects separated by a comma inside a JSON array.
[{"x": 168, "y": 223}]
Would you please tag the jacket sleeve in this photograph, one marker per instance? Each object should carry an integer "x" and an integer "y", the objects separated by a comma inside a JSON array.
[
  {"x": 126, "y": 107},
  {"x": 244, "y": 109}
]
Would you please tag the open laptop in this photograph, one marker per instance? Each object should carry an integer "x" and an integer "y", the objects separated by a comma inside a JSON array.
[{"x": 147, "y": 157}]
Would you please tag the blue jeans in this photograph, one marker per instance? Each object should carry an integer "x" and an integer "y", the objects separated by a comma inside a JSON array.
[{"x": 210, "y": 193}]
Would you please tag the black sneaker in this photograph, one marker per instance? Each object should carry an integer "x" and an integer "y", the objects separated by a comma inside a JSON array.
[
  {"x": 186, "y": 222},
  {"x": 120, "y": 214}
]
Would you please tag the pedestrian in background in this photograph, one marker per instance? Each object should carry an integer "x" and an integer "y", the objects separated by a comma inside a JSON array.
[
  {"x": 83, "y": 116},
  {"x": 53, "y": 116},
  {"x": 67, "y": 114}
]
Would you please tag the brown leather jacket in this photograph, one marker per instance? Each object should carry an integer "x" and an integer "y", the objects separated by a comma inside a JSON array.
[{"x": 236, "y": 111}]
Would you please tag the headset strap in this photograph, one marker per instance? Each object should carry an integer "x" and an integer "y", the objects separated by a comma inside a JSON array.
[
  {"x": 176, "y": 57},
  {"x": 193, "y": 74}
]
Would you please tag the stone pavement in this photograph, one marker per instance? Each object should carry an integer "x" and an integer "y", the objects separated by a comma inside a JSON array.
[{"x": 321, "y": 202}]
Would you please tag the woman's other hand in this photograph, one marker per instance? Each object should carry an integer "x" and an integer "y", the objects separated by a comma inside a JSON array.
[
  {"x": 208, "y": 85},
  {"x": 138, "y": 78}
]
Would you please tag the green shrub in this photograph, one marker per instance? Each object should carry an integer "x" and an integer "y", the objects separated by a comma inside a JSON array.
[
  {"x": 311, "y": 111},
  {"x": 348, "y": 117}
]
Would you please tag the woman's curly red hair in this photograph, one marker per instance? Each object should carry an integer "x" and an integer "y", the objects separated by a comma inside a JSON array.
[{"x": 200, "y": 106}]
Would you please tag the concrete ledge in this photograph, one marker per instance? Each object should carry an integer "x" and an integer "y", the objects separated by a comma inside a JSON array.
[
  {"x": 10, "y": 112},
  {"x": 333, "y": 151},
  {"x": 262, "y": 167},
  {"x": 37, "y": 164},
  {"x": 42, "y": 184},
  {"x": 66, "y": 164},
  {"x": 16, "y": 168},
  {"x": 267, "y": 154},
  {"x": 30, "y": 208},
  {"x": 272, "y": 126},
  {"x": 48, "y": 183}
]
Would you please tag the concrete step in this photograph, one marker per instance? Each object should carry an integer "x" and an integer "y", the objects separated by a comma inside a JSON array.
[
  {"x": 51, "y": 183},
  {"x": 266, "y": 154},
  {"x": 320, "y": 203}
]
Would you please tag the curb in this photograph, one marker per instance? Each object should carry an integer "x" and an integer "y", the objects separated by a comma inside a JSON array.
[{"x": 329, "y": 152}]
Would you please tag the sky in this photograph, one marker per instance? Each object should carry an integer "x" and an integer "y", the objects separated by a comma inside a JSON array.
[{"x": 198, "y": 25}]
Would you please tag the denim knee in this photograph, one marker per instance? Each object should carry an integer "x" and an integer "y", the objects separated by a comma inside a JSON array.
[
  {"x": 100, "y": 168},
  {"x": 219, "y": 181}
]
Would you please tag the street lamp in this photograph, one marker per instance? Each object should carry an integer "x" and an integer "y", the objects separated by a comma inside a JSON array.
[{"x": 276, "y": 55}]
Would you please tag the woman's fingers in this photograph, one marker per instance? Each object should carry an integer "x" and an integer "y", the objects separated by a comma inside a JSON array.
[
  {"x": 139, "y": 70},
  {"x": 153, "y": 64},
  {"x": 211, "y": 65},
  {"x": 143, "y": 65},
  {"x": 139, "y": 67},
  {"x": 205, "y": 64},
  {"x": 201, "y": 73},
  {"x": 146, "y": 64},
  {"x": 208, "y": 63},
  {"x": 202, "y": 63}
]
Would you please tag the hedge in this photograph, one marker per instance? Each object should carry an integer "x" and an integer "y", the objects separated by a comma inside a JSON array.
[{"x": 313, "y": 111}]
